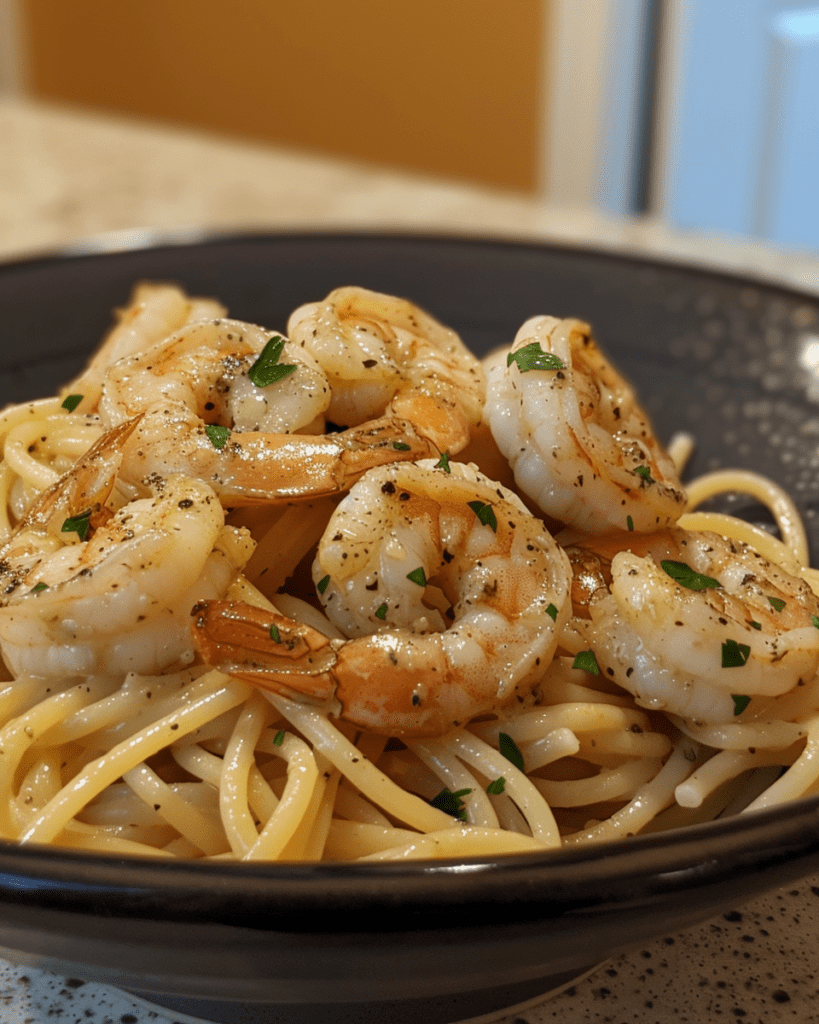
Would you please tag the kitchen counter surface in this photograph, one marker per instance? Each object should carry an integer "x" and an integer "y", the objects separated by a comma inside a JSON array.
[{"x": 67, "y": 177}]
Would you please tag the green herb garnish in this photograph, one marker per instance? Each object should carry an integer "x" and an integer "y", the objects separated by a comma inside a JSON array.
[
  {"x": 70, "y": 402},
  {"x": 734, "y": 655},
  {"x": 267, "y": 370},
  {"x": 757, "y": 625},
  {"x": 217, "y": 435},
  {"x": 418, "y": 576},
  {"x": 740, "y": 702},
  {"x": 776, "y": 603},
  {"x": 532, "y": 357},
  {"x": 38, "y": 588},
  {"x": 381, "y": 611},
  {"x": 443, "y": 463},
  {"x": 551, "y": 611},
  {"x": 79, "y": 524},
  {"x": 587, "y": 662},
  {"x": 630, "y": 524},
  {"x": 401, "y": 446},
  {"x": 278, "y": 739},
  {"x": 275, "y": 635},
  {"x": 322, "y": 584},
  {"x": 485, "y": 513},
  {"x": 687, "y": 577},
  {"x": 645, "y": 473},
  {"x": 510, "y": 750},
  {"x": 497, "y": 786},
  {"x": 452, "y": 803}
]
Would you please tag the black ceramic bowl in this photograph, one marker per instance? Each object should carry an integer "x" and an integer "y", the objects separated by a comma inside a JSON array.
[{"x": 733, "y": 361}]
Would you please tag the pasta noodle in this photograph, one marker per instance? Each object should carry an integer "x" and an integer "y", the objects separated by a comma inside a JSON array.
[{"x": 183, "y": 759}]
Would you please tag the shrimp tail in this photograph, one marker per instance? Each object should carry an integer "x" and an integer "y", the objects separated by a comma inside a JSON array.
[
  {"x": 265, "y": 648},
  {"x": 87, "y": 488}
]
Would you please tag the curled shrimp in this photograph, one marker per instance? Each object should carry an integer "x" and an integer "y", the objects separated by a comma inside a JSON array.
[
  {"x": 196, "y": 383},
  {"x": 384, "y": 356},
  {"x": 695, "y": 625},
  {"x": 87, "y": 590},
  {"x": 416, "y": 662},
  {"x": 578, "y": 442},
  {"x": 153, "y": 312}
]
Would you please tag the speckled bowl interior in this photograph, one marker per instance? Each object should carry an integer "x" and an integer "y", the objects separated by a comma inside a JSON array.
[{"x": 732, "y": 361}]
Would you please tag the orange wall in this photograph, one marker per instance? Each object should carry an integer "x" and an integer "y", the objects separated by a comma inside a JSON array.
[{"x": 449, "y": 87}]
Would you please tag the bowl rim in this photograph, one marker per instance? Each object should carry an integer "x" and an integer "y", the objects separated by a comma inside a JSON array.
[{"x": 663, "y": 862}]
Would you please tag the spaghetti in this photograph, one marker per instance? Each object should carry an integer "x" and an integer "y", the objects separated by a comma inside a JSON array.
[{"x": 178, "y": 757}]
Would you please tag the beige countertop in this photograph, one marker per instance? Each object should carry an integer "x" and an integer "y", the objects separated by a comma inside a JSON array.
[{"x": 69, "y": 176}]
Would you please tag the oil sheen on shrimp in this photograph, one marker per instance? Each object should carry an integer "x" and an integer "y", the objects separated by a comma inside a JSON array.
[
  {"x": 87, "y": 599},
  {"x": 153, "y": 312},
  {"x": 451, "y": 593},
  {"x": 579, "y": 444},
  {"x": 747, "y": 630},
  {"x": 272, "y": 447},
  {"x": 385, "y": 356}
]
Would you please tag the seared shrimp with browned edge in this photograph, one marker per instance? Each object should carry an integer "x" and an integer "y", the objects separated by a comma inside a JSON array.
[
  {"x": 451, "y": 594},
  {"x": 153, "y": 312},
  {"x": 694, "y": 624},
  {"x": 87, "y": 589},
  {"x": 578, "y": 442},
  {"x": 384, "y": 356}
]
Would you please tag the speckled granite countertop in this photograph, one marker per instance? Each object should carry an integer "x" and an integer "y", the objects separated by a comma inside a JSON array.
[{"x": 68, "y": 175}]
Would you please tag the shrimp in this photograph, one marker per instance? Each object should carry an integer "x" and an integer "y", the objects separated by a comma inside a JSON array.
[
  {"x": 153, "y": 312},
  {"x": 411, "y": 665},
  {"x": 197, "y": 379},
  {"x": 694, "y": 624},
  {"x": 579, "y": 444},
  {"x": 386, "y": 357},
  {"x": 112, "y": 594}
]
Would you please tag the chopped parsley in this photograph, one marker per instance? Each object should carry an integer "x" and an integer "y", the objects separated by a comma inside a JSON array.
[
  {"x": 630, "y": 524},
  {"x": 401, "y": 446},
  {"x": 70, "y": 402},
  {"x": 418, "y": 576},
  {"x": 275, "y": 635},
  {"x": 645, "y": 473},
  {"x": 757, "y": 625},
  {"x": 496, "y": 786},
  {"x": 551, "y": 611},
  {"x": 587, "y": 662},
  {"x": 509, "y": 749},
  {"x": 443, "y": 463},
  {"x": 278, "y": 739},
  {"x": 740, "y": 702},
  {"x": 381, "y": 611},
  {"x": 452, "y": 803},
  {"x": 267, "y": 369},
  {"x": 217, "y": 435},
  {"x": 815, "y": 620},
  {"x": 776, "y": 603},
  {"x": 79, "y": 524},
  {"x": 38, "y": 588},
  {"x": 485, "y": 513},
  {"x": 687, "y": 577},
  {"x": 322, "y": 584},
  {"x": 734, "y": 655},
  {"x": 532, "y": 357}
]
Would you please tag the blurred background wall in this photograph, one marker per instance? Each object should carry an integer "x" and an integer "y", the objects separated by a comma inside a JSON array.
[{"x": 701, "y": 113}]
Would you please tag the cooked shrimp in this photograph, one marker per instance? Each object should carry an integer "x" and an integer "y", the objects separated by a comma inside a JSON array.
[
  {"x": 153, "y": 312},
  {"x": 204, "y": 366},
  {"x": 579, "y": 444},
  {"x": 410, "y": 668},
  {"x": 197, "y": 380},
  {"x": 695, "y": 624},
  {"x": 89, "y": 599},
  {"x": 386, "y": 357}
]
